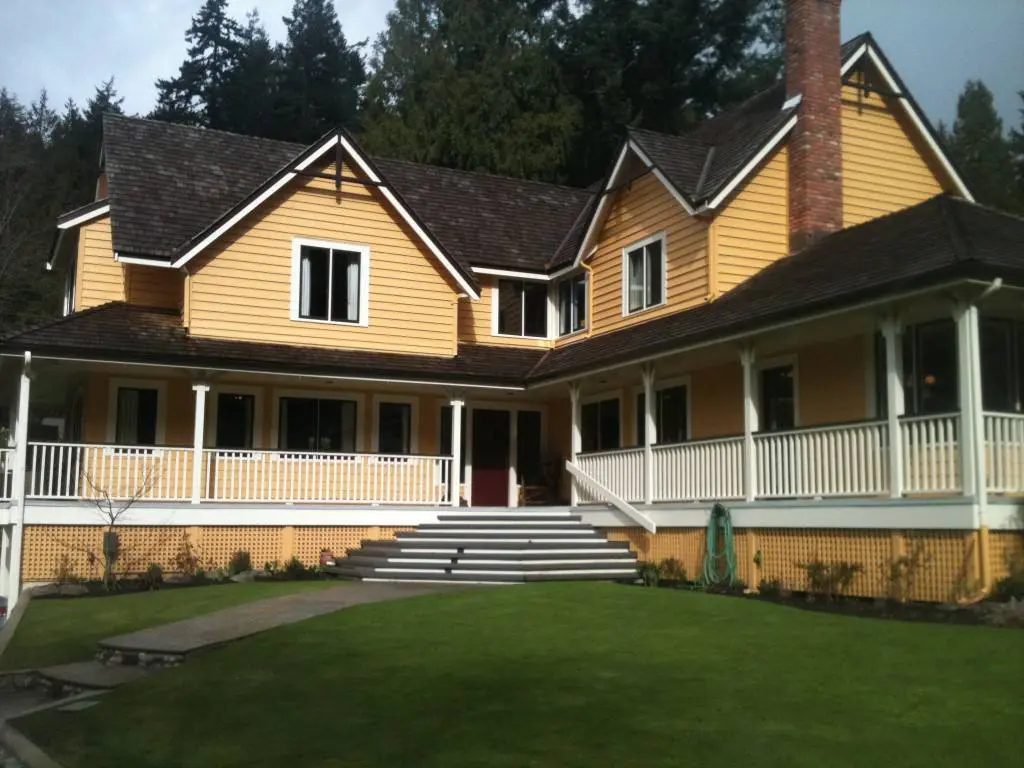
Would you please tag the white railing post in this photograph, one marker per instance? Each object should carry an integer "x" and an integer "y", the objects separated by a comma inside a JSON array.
[
  {"x": 199, "y": 431},
  {"x": 750, "y": 422},
  {"x": 12, "y": 566},
  {"x": 891, "y": 332},
  {"x": 972, "y": 434},
  {"x": 577, "y": 438},
  {"x": 650, "y": 432},
  {"x": 454, "y": 472}
]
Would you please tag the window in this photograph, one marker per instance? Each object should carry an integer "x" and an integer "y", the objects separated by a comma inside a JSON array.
[
  {"x": 311, "y": 424},
  {"x": 670, "y": 415},
  {"x": 599, "y": 425},
  {"x": 136, "y": 416},
  {"x": 644, "y": 275},
  {"x": 394, "y": 428},
  {"x": 446, "y": 437},
  {"x": 529, "y": 452},
  {"x": 929, "y": 352},
  {"x": 522, "y": 308},
  {"x": 235, "y": 415},
  {"x": 572, "y": 305},
  {"x": 778, "y": 400},
  {"x": 330, "y": 284},
  {"x": 998, "y": 380}
]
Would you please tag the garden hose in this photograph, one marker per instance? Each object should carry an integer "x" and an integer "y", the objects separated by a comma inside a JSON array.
[{"x": 714, "y": 555}]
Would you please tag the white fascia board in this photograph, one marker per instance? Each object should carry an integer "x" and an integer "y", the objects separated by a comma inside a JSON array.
[
  {"x": 791, "y": 102},
  {"x": 602, "y": 204},
  {"x": 750, "y": 166},
  {"x": 661, "y": 177},
  {"x": 514, "y": 274},
  {"x": 143, "y": 262},
  {"x": 852, "y": 61},
  {"x": 103, "y": 210}
]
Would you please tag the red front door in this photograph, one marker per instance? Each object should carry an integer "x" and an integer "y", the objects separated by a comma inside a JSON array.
[{"x": 491, "y": 441}]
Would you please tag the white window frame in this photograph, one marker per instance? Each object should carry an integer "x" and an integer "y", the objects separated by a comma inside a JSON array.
[
  {"x": 298, "y": 243},
  {"x": 557, "y": 304},
  {"x": 414, "y": 420},
  {"x": 495, "y": 302},
  {"x": 160, "y": 386},
  {"x": 779, "y": 361},
  {"x": 662, "y": 237},
  {"x": 315, "y": 394},
  {"x": 675, "y": 381},
  {"x": 210, "y": 438}
]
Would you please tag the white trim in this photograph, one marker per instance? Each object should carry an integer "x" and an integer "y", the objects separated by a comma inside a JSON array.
[
  {"x": 316, "y": 394},
  {"x": 142, "y": 262},
  {"x": 114, "y": 384},
  {"x": 495, "y": 298},
  {"x": 779, "y": 361},
  {"x": 663, "y": 237},
  {"x": 853, "y": 59},
  {"x": 792, "y": 101},
  {"x": 661, "y": 177},
  {"x": 747, "y": 169},
  {"x": 556, "y": 330},
  {"x": 602, "y": 204},
  {"x": 413, "y": 401},
  {"x": 210, "y": 438},
  {"x": 103, "y": 210},
  {"x": 298, "y": 243},
  {"x": 515, "y": 274},
  {"x": 659, "y": 385}
]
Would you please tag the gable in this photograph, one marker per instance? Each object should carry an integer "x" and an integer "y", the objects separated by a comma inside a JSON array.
[{"x": 241, "y": 288}]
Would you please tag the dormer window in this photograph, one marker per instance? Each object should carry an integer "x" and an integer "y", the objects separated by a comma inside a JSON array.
[
  {"x": 643, "y": 275},
  {"x": 330, "y": 282}
]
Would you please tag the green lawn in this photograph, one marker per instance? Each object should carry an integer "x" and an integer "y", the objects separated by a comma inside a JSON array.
[
  {"x": 58, "y": 631},
  {"x": 569, "y": 675}
]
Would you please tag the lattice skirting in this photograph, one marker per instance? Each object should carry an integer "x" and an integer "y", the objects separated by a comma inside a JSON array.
[
  {"x": 78, "y": 548},
  {"x": 950, "y": 564}
]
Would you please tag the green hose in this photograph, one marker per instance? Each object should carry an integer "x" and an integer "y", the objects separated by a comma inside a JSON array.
[{"x": 715, "y": 556}]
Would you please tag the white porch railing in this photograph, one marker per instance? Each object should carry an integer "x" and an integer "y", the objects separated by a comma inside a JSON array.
[
  {"x": 80, "y": 471},
  {"x": 260, "y": 476},
  {"x": 699, "y": 471},
  {"x": 1004, "y": 454},
  {"x": 6, "y": 473},
  {"x": 931, "y": 453},
  {"x": 621, "y": 472},
  {"x": 840, "y": 460}
]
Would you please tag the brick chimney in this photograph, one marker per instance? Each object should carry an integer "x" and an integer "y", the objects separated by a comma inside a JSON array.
[{"x": 815, "y": 160}]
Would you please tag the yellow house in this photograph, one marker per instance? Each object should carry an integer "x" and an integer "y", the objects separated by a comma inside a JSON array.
[{"x": 797, "y": 310}]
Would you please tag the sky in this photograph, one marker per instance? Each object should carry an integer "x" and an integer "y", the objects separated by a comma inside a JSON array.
[{"x": 70, "y": 46}]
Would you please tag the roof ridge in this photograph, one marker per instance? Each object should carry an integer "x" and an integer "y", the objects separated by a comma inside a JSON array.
[
  {"x": 200, "y": 129},
  {"x": 485, "y": 174},
  {"x": 962, "y": 249}
]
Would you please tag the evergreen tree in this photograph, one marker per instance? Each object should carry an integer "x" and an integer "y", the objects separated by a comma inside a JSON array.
[
  {"x": 979, "y": 150},
  {"x": 473, "y": 84},
  {"x": 252, "y": 89},
  {"x": 1017, "y": 147},
  {"x": 322, "y": 75}
]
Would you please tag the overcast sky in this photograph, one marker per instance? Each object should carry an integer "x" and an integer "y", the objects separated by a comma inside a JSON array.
[{"x": 69, "y": 46}]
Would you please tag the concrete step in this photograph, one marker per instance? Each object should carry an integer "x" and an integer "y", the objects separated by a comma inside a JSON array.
[
  {"x": 436, "y": 529},
  {"x": 522, "y": 566},
  {"x": 458, "y": 545},
  {"x": 508, "y": 553},
  {"x": 485, "y": 577},
  {"x": 92, "y": 675},
  {"x": 528, "y": 517}
]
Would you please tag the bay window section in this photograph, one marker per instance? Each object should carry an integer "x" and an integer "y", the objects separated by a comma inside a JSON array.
[
  {"x": 644, "y": 275},
  {"x": 600, "y": 426},
  {"x": 317, "y": 424},
  {"x": 522, "y": 308},
  {"x": 572, "y": 305},
  {"x": 330, "y": 284}
]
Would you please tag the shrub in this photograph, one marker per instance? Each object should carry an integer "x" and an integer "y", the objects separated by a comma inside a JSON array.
[
  {"x": 648, "y": 573},
  {"x": 294, "y": 569},
  {"x": 186, "y": 559},
  {"x": 152, "y": 577},
  {"x": 64, "y": 573},
  {"x": 272, "y": 567},
  {"x": 830, "y": 580},
  {"x": 1011, "y": 587},
  {"x": 772, "y": 588},
  {"x": 671, "y": 569},
  {"x": 902, "y": 572},
  {"x": 240, "y": 562}
]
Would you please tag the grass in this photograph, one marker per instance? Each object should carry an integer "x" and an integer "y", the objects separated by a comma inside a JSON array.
[
  {"x": 59, "y": 631},
  {"x": 568, "y": 675}
]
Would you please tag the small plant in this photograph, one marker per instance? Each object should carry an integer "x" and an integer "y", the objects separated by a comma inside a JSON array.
[
  {"x": 64, "y": 573},
  {"x": 830, "y": 580},
  {"x": 272, "y": 567},
  {"x": 671, "y": 569},
  {"x": 772, "y": 588},
  {"x": 903, "y": 571},
  {"x": 294, "y": 569},
  {"x": 1012, "y": 586},
  {"x": 152, "y": 577},
  {"x": 649, "y": 574},
  {"x": 199, "y": 575},
  {"x": 186, "y": 559},
  {"x": 240, "y": 563}
]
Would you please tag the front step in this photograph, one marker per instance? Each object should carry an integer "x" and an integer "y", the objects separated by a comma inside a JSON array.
[{"x": 495, "y": 547}]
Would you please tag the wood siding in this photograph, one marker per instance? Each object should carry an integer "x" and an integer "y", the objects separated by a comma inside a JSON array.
[
  {"x": 242, "y": 288},
  {"x": 884, "y": 169},
  {"x": 832, "y": 381},
  {"x": 98, "y": 278},
  {"x": 475, "y": 320},
  {"x": 641, "y": 210},
  {"x": 753, "y": 229},
  {"x": 154, "y": 286},
  {"x": 716, "y": 407}
]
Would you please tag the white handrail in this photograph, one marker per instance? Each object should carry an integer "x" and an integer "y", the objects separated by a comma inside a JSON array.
[
  {"x": 608, "y": 496},
  {"x": 1004, "y": 452}
]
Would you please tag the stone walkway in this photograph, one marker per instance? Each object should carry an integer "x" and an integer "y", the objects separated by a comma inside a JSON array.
[{"x": 211, "y": 630}]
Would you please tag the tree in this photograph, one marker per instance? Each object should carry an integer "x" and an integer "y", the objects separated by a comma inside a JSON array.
[
  {"x": 1017, "y": 147},
  {"x": 979, "y": 150},
  {"x": 252, "y": 89},
  {"x": 321, "y": 74},
  {"x": 473, "y": 84}
]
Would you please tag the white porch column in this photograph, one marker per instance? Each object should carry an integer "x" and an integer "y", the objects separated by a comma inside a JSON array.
[
  {"x": 454, "y": 480},
  {"x": 972, "y": 424},
  {"x": 576, "y": 444},
  {"x": 16, "y": 533},
  {"x": 892, "y": 331},
  {"x": 199, "y": 431},
  {"x": 750, "y": 422},
  {"x": 513, "y": 457},
  {"x": 650, "y": 432}
]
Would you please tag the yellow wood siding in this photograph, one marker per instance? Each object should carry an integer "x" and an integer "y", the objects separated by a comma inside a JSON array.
[
  {"x": 832, "y": 381},
  {"x": 154, "y": 286},
  {"x": 475, "y": 324},
  {"x": 242, "y": 288},
  {"x": 716, "y": 405},
  {"x": 98, "y": 278},
  {"x": 884, "y": 170},
  {"x": 642, "y": 210},
  {"x": 753, "y": 229}
]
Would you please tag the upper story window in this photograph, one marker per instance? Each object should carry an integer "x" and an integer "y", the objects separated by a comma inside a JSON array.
[
  {"x": 572, "y": 305},
  {"x": 522, "y": 309},
  {"x": 643, "y": 275},
  {"x": 330, "y": 282}
]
